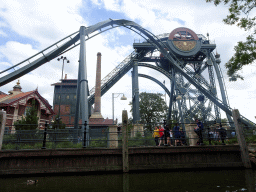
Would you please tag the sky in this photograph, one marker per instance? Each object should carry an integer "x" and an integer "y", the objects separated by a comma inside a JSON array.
[{"x": 29, "y": 26}]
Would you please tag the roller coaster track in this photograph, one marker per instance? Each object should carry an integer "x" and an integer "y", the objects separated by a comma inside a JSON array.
[
  {"x": 155, "y": 80},
  {"x": 116, "y": 74},
  {"x": 49, "y": 54}
]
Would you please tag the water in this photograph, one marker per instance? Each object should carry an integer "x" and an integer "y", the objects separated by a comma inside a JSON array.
[{"x": 180, "y": 181}]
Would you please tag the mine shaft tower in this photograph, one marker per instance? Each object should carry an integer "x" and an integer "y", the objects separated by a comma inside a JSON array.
[{"x": 194, "y": 54}]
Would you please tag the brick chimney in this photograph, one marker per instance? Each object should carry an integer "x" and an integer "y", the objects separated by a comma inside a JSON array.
[{"x": 97, "y": 103}]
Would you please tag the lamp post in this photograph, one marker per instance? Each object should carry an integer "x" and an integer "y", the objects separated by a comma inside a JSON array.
[
  {"x": 63, "y": 59},
  {"x": 113, "y": 97}
]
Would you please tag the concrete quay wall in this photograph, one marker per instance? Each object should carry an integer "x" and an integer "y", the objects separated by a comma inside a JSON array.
[{"x": 89, "y": 160}]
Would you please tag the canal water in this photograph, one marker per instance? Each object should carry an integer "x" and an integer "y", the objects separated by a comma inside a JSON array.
[{"x": 180, "y": 181}]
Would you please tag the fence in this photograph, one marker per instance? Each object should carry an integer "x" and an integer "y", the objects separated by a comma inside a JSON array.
[{"x": 105, "y": 137}]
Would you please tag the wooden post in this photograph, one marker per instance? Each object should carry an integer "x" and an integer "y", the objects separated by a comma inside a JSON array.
[
  {"x": 241, "y": 139},
  {"x": 2, "y": 127},
  {"x": 125, "y": 141}
]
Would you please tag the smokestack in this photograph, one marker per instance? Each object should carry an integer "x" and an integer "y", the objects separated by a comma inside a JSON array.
[{"x": 97, "y": 103}]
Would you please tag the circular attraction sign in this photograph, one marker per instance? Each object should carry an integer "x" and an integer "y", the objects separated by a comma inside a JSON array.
[{"x": 184, "y": 42}]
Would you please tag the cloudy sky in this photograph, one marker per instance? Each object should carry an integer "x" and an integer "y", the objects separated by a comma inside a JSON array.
[{"x": 29, "y": 26}]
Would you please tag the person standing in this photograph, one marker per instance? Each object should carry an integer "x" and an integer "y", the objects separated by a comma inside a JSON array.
[
  {"x": 176, "y": 132},
  {"x": 171, "y": 138},
  {"x": 161, "y": 133},
  {"x": 167, "y": 135},
  {"x": 222, "y": 134},
  {"x": 183, "y": 137},
  {"x": 156, "y": 135},
  {"x": 199, "y": 131}
]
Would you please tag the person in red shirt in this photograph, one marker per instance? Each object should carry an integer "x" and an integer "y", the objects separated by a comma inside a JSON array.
[{"x": 161, "y": 133}]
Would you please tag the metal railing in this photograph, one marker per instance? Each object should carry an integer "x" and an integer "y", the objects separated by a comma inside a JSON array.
[{"x": 101, "y": 137}]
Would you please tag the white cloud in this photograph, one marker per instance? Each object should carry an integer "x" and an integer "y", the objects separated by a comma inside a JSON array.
[
  {"x": 16, "y": 52},
  {"x": 42, "y": 21},
  {"x": 3, "y": 33}
]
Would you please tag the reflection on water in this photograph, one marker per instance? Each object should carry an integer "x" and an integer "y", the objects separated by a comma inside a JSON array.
[{"x": 225, "y": 180}]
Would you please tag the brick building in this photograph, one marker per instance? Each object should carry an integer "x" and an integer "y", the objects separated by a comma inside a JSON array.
[
  {"x": 16, "y": 102},
  {"x": 65, "y": 97}
]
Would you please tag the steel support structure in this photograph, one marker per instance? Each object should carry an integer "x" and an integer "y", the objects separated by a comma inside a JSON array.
[
  {"x": 179, "y": 106},
  {"x": 135, "y": 92},
  {"x": 77, "y": 112},
  {"x": 155, "y": 43},
  {"x": 222, "y": 90},
  {"x": 84, "y": 84},
  {"x": 213, "y": 85},
  {"x": 171, "y": 95}
]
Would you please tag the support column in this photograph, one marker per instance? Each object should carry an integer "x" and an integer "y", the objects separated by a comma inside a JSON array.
[
  {"x": 84, "y": 84},
  {"x": 113, "y": 136},
  {"x": 125, "y": 142},
  {"x": 221, "y": 84},
  {"x": 180, "y": 110},
  {"x": 133, "y": 99},
  {"x": 241, "y": 139},
  {"x": 181, "y": 116},
  {"x": 171, "y": 96},
  {"x": 77, "y": 112},
  {"x": 2, "y": 127},
  {"x": 135, "y": 92}
]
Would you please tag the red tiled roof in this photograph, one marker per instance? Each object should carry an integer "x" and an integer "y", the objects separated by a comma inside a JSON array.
[
  {"x": 11, "y": 99},
  {"x": 2, "y": 93},
  {"x": 15, "y": 97},
  {"x": 2, "y": 96}
]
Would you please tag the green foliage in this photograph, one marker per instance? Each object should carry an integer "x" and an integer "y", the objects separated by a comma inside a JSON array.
[
  {"x": 8, "y": 146},
  {"x": 98, "y": 143},
  {"x": 228, "y": 141},
  {"x": 68, "y": 145},
  {"x": 251, "y": 139},
  {"x": 152, "y": 109},
  {"x": 231, "y": 141},
  {"x": 30, "y": 121},
  {"x": 138, "y": 140},
  {"x": 57, "y": 123},
  {"x": 38, "y": 145},
  {"x": 239, "y": 14}
]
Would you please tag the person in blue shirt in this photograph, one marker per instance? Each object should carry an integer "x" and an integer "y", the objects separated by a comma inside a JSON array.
[
  {"x": 183, "y": 137},
  {"x": 199, "y": 131},
  {"x": 176, "y": 132}
]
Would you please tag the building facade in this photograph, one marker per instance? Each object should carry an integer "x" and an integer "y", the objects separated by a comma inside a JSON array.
[
  {"x": 64, "y": 100},
  {"x": 17, "y": 102}
]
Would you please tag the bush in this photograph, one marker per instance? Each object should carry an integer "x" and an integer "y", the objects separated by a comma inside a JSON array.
[
  {"x": 68, "y": 144},
  {"x": 98, "y": 143},
  {"x": 251, "y": 139},
  {"x": 138, "y": 140},
  {"x": 8, "y": 146}
]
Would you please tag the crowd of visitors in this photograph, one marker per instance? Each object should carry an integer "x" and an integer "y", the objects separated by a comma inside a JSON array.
[
  {"x": 177, "y": 136},
  {"x": 174, "y": 137}
]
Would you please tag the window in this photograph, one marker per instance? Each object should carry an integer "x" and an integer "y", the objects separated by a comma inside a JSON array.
[{"x": 66, "y": 108}]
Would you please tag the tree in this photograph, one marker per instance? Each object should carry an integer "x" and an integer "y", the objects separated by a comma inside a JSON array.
[
  {"x": 239, "y": 14},
  {"x": 30, "y": 121},
  {"x": 57, "y": 123},
  {"x": 153, "y": 109}
]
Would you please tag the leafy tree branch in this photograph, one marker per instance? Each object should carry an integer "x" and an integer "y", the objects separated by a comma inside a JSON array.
[{"x": 240, "y": 15}]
